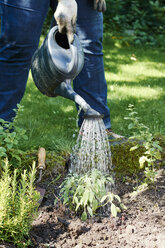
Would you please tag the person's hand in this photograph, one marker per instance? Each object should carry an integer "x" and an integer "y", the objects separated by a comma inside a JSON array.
[
  {"x": 100, "y": 5},
  {"x": 66, "y": 16}
]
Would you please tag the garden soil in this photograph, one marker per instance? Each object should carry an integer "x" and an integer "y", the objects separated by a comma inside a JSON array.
[{"x": 141, "y": 225}]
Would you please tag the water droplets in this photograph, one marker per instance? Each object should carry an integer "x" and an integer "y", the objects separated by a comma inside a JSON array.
[{"x": 92, "y": 149}]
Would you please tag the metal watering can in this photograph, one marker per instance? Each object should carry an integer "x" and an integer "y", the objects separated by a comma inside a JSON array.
[{"x": 55, "y": 64}]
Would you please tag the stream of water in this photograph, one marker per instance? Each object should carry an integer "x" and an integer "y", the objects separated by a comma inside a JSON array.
[{"x": 92, "y": 149}]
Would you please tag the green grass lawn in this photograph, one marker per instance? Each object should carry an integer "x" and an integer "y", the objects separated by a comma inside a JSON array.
[{"x": 134, "y": 76}]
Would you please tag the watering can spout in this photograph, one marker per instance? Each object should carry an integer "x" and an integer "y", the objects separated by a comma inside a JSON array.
[{"x": 65, "y": 90}]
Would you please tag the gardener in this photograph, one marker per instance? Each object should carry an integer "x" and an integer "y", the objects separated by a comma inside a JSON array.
[{"x": 21, "y": 25}]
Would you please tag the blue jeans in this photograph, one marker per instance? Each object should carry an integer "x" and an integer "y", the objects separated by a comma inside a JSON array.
[
  {"x": 91, "y": 83},
  {"x": 21, "y": 25}
]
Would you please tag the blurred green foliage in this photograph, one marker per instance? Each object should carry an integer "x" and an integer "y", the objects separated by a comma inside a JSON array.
[{"x": 140, "y": 21}]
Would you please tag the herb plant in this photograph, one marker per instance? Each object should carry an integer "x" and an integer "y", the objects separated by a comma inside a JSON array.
[
  {"x": 152, "y": 152},
  {"x": 18, "y": 205},
  {"x": 10, "y": 137},
  {"x": 88, "y": 192}
]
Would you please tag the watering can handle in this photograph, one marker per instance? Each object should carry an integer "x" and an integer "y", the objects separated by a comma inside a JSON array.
[{"x": 74, "y": 59}]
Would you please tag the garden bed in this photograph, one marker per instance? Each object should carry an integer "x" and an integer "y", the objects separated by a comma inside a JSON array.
[{"x": 141, "y": 225}]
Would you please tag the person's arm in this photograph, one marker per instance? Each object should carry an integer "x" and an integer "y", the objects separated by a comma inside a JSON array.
[
  {"x": 100, "y": 5},
  {"x": 66, "y": 16}
]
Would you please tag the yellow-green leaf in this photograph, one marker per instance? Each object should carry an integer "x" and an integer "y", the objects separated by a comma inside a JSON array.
[{"x": 113, "y": 210}]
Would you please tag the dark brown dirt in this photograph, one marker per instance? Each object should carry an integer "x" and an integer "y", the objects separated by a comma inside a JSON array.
[{"x": 142, "y": 225}]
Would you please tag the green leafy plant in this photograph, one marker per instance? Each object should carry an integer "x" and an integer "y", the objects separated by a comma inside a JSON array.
[
  {"x": 10, "y": 137},
  {"x": 87, "y": 193},
  {"x": 18, "y": 205},
  {"x": 145, "y": 138}
]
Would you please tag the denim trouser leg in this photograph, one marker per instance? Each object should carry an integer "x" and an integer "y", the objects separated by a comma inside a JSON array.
[
  {"x": 21, "y": 25},
  {"x": 91, "y": 83}
]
